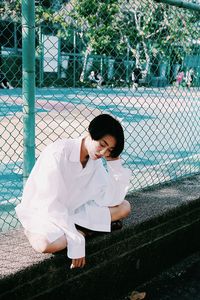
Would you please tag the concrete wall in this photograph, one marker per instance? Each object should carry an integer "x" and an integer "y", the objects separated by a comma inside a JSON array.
[{"x": 162, "y": 229}]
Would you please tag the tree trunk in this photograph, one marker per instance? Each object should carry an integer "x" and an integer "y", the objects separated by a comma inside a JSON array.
[
  {"x": 137, "y": 56},
  {"x": 147, "y": 56},
  {"x": 87, "y": 53}
]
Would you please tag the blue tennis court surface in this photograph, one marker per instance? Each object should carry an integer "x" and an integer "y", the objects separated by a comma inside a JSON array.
[{"x": 161, "y": 129}]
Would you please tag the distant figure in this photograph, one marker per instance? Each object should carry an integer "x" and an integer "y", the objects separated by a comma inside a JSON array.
[
  {"x": 189, "y": 75},
  {"x": 100, "y": 79},
  {"x": 91, "y": 77},
  {"x": 136, "y": 76},
  {"x": 179, "y": 78},
  {"x": 96, "y": 77},
  {"x": 4, "y": 84}
]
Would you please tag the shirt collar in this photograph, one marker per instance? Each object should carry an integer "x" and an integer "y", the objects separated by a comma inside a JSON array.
[{"x": 75, "y": 150}]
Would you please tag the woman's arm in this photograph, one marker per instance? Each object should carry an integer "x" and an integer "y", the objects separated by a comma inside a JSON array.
[{"x": 116, "y": 183}]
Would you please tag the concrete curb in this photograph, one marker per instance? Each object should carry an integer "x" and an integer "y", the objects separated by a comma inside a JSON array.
[{"x": 162, "y": 229}]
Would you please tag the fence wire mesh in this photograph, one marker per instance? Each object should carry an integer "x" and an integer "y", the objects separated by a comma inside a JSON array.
[{"x": 136, "y": 60}]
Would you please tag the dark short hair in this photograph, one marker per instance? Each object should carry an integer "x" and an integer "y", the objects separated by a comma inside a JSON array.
[{"x": 105, "y": 124}]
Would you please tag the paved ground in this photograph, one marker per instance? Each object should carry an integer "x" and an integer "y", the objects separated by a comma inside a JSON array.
[{"x": 181, "y": 282}]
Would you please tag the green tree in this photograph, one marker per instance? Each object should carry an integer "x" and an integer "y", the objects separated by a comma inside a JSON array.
[
  {"x": 157, "y": 30},
  {"x": 146, "y": 29},
  {"x": 97, "y": 23},
  {"x": 10, "y": 10}
]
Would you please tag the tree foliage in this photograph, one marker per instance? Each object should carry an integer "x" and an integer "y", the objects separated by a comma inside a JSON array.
[
  {"x": 10, "y": 10},
  {"x": 154, "y": 29},
  {"x": 145, "y": 29},
  {"x": 98, "y": 21}
]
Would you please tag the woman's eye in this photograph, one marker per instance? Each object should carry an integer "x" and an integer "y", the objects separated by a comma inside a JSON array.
[{"x": 102, "y": 145}]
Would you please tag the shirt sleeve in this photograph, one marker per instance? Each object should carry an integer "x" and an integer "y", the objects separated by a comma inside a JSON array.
[
  {"x": 115, "y": 183},
  {"x": 46, "y": 190}
]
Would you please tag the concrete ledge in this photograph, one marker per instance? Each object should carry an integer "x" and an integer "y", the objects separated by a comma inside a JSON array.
[{"x": 162, "y": 229}]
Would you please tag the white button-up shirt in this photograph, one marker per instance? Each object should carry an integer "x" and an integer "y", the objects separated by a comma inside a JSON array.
[{"x": 60, "y": 193}]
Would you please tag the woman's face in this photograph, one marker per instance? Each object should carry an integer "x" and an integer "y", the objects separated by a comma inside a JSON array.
[{"x": 101, "y": 148}]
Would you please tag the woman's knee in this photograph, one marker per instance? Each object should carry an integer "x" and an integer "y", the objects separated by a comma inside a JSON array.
[
  {"x": 42, "y": 245},
  {"x": 120, "y": 211},
  {"x": 39, "y": 243},
  {"x": 126, "y": 208},
  {"x": 57, "y": 245}
]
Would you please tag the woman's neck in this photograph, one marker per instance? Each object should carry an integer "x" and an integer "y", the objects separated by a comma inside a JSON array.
[{"x": 84, "y": 153}]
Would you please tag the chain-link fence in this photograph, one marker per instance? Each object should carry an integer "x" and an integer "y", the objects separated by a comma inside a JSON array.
[{"x": 136, "y": 60}]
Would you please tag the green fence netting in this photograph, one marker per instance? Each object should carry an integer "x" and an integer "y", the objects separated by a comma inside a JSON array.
[{"x": 136, "y": 60}]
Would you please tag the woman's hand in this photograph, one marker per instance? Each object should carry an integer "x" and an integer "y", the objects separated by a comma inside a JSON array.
[{"x": 78, "y": 263}]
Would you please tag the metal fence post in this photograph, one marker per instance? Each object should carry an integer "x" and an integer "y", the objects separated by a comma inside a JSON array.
[
  {"x": 181, "y": 4},
  {"x": 28, "y": 85},
  {"x": 41, "y": 57},
  {"x": 74, "y": 62}
]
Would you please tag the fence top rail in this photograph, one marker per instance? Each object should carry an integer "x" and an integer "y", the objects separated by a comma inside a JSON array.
[{"x": 181, "y": 4}]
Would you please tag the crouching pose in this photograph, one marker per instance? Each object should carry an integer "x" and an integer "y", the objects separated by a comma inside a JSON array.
[{"x": 70, "y": 189}]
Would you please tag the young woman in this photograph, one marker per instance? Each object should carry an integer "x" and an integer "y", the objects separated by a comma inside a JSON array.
[{"x": 69, "y": 188}]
